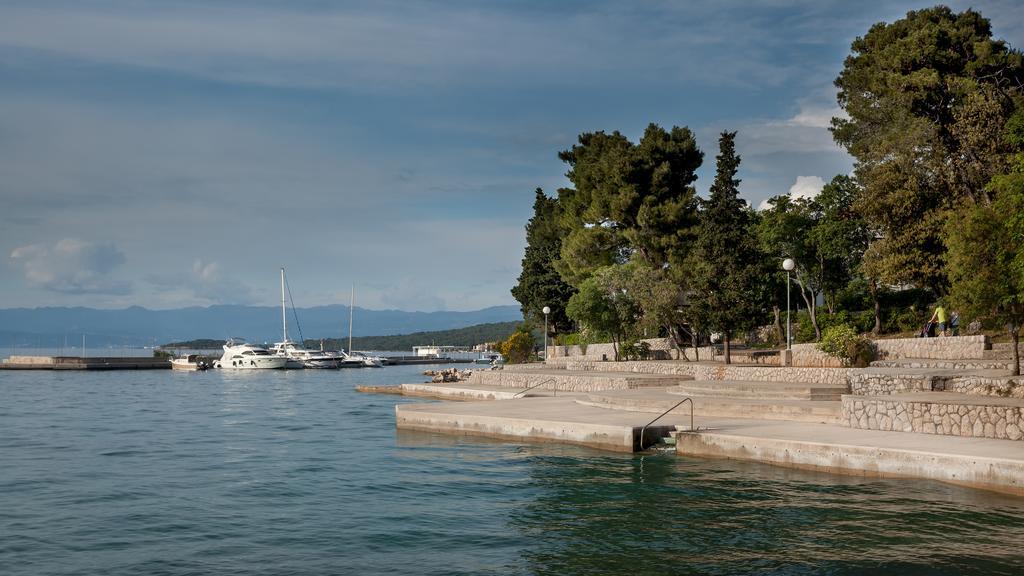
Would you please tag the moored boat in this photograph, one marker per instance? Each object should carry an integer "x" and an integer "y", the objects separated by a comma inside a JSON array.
[
  {"x": 240, "y": 355},
  {"x": 192, "y": 362}
]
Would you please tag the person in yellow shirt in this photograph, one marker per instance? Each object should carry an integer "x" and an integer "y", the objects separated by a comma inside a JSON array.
[{"x": 940, "y": 315}]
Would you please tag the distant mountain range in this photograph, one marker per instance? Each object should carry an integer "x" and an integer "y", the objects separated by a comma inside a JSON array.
[{"x": 136, "y": 326}]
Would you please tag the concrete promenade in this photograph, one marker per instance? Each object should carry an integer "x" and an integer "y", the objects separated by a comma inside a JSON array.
[{"x": 902, "y": 419}]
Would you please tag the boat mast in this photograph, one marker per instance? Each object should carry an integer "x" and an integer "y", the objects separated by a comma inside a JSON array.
[
  {"x": 351, "y": 303},
  {"x": 284, "y": 317}
]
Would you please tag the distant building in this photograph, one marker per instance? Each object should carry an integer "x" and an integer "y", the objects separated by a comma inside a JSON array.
[{"x": 434, "y": 350}]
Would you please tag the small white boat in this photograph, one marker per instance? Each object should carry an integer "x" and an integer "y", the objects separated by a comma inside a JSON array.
[
  {"x": 240, "y": 355},
  {"x": 192, "y": 362}
]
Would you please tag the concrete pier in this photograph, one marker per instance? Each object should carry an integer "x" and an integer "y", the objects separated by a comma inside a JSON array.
[{"x": 84, "y": 363}]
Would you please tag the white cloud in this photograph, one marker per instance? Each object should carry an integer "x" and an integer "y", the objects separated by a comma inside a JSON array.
[
  {"x": 806, "y": 187},
  {"x": 816, "y": 116},
  {"x": 72, "y": 266}
]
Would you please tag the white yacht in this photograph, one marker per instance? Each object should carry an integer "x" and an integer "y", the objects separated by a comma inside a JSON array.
[
  {"x": 299, "y": 357},
  {"x": 367, "y": 360},
  {"x": 240, "y": 355}
]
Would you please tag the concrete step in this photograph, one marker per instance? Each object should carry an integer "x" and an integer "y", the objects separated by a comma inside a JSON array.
[
  {"x": 947, "y": 413},
  {"x": 936, "y": 364},
  {"x": 655, "y": 402},
  {"x": 759, "y": 390}
]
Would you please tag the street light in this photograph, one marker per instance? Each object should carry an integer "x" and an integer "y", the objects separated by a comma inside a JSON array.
[
  {"x": 546, "y": 311},
  {"x": 788, "y": 264}
]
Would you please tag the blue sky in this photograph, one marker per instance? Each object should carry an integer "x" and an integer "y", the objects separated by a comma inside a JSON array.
[{"x": 169, "y": 154}]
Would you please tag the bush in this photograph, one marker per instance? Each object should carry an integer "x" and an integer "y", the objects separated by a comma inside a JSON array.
[
  {"x": 518, "y": 348},
  {"x": 635, "y": 351},
  {"x": 842, "y": 341}
]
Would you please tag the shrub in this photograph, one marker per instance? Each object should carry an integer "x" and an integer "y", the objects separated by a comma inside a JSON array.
[
  {"x": 518, "y": 347},
  {"x": 842, "y": 341},
  {"x": 635, "y": 351}
]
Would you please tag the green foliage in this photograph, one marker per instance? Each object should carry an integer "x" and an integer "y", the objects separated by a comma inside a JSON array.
[
  {"x": 539, "y": 283},
  {"x": 984, "y": 249},
  {"x": 842, "y": 341},
  {"x": 518, "y": 348},
  {"x": 634, "y": 350},
  {"x": 926, "y": 97},
  {"x": 628, "y": 199},
  {"x": 824, "y": 236},
  {"x": 727, "y": 291},
  {"x": 605, "y": 304},
  {"x": 157, "y": 353}
]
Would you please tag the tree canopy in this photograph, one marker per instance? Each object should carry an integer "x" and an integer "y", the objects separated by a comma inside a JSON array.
[
  {"x": 926, "y": 98},
  {"x": 726, "y": 292},
  {"x": 628, "y": 199},
  {"x": 539, "y": 283}
]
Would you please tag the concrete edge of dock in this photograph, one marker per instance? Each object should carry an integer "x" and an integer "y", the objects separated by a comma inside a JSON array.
[
  {"x": 998, "y": 474},
  {"x": 614, "y": 437}
]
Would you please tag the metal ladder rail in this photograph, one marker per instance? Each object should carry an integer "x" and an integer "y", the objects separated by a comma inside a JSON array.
[
  {"x": 644, "y": 429},
  {"x": 527, "y": 389}
]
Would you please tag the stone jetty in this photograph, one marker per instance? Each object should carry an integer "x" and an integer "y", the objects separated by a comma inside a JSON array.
[{"x": 941, "y": 408}]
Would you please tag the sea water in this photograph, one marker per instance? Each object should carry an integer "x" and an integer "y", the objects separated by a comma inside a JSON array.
[{"x": 274, "y": 472}]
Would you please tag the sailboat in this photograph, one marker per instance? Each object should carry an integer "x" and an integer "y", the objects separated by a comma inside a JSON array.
[
  {"x": 363, "y": 359},
  {"x": 297, "y": 356}
]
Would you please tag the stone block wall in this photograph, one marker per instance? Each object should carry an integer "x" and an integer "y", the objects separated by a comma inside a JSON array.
[
  {"x": 661, "y": 349},
  {"x": 714, "y": 371},
  {"x": 808, "y": 355},
  {"x": 1004, "y": 387},
  {"x": 950, "y": 348},
  {"x": 881, "y": 384},
  {"x": 1003, "y": 422}
]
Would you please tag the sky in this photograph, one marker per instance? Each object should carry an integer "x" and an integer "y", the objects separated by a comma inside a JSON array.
[{"x": 171, "y": 154}]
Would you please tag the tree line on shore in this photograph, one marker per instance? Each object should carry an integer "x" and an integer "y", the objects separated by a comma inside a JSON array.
[{"x": 933, "y": 212}]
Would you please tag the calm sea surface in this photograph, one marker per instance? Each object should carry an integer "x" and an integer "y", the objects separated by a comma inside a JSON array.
[{"x": 162, "y": 472}]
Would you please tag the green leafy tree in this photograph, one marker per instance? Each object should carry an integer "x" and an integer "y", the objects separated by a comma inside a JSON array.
[
  {"x": 926, "y": 98},
  {"x": 539, "y": 283},
  {"x": 628, "y": 200},
  {"x": 727, "y": 294},
  {"x": 982, "y": 254},
  {"x": 606, "y": 305},
  {"x": 986, "y": 248}
]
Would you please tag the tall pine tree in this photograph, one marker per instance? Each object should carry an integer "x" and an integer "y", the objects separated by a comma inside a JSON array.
[
  {"x": 539, "y": 283},
  {"x": 727, "y": 295}
]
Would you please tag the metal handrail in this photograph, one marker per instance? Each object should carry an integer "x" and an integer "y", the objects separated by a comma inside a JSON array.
[
  {"x": 644, "y": 429},
  {"x": 527, "y": 389}
]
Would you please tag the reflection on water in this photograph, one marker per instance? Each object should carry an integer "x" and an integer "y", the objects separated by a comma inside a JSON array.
[{"x": 294, "y": 472}]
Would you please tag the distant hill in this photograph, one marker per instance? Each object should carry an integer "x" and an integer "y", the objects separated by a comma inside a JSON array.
[
  {"x": 469, "y": 336},
  {"x": 51, "y": 327}
]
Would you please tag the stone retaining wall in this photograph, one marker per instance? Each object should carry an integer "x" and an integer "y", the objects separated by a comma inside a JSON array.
[
  {"x": 714, "y": 371},
  {"x": 1003, "y": 422},
  {"x": 808, "y": 355},
  {"x": 950, "y": 348},
  {"x": 1005, "y": 387},
  {"x": 661, "y": 349},
  {"x": 569, "y": 381},
  {"x": 881, "y": 384}
]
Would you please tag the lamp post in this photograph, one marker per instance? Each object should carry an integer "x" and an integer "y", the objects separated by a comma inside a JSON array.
[
  {"x": 788, "y": 264},
  {"x": 546, "y": 310}
]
